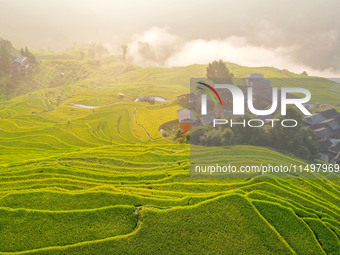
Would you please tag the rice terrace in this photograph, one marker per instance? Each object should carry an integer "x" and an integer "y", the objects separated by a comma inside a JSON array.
[
  {"x": 85, "y": 170},
  {"x": 169, "y": 127}
]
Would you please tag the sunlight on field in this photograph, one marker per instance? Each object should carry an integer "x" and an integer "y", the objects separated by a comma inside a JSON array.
[
  {"x": 91, "y": 181},
  {"x": 152, "y": 119}
]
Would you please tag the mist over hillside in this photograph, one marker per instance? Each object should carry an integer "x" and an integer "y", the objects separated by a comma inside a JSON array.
[{"x": 246, "y": 32}]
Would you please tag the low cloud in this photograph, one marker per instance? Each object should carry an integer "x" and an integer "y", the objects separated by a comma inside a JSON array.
[
  {"x": 153, "y": 47},
  {"x": 159, "y": 47}
]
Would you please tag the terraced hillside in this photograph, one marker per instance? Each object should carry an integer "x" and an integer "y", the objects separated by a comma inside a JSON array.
[{"x": 80, "y": 180}]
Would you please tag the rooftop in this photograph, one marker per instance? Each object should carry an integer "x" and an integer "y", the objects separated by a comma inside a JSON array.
[
  {"x": 337, "y": 157},
  {"x": 324, "y": 145},
  {"x": 315, "y": 119},
  {"x": 20, "y": 59},
  {"x": 333, "y": 124},
  {"x": 255, "y": 76},
  {"x": 335, "y": 147},
  {"x": 323, "y": 132},
  {"x": 329, "y": 113},
  {"x": 185, "y": 114}
]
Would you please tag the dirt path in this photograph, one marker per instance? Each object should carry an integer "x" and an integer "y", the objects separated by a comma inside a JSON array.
[{"x": 134, "y": 115}]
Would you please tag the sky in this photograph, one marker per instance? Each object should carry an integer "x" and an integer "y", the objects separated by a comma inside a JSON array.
[{"x": 296, "y": 35}]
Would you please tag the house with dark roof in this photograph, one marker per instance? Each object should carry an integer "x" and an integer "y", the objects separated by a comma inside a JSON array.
[
  {"x": 324, "y": 153},
  {"x": 314, "y": 119},
  {"x": 323, "y": 133},
  {"x": 334, "y": 148},
  {"x": 186, "y": 119},
  {"x": 330, "y": 113},
  {"x": 336, "y": 160},
  {"x": 257, "y": 81},
  {"x": 255, "y": 76},
  {"x": 326, "y": 125},
  {"x": 258, "y": 84},
  {"x": 20, "y": 65},
  {"x": 323, "y": 146},
  {"x": 323, "y": 157},
  {"x": 332, "y": 124}
]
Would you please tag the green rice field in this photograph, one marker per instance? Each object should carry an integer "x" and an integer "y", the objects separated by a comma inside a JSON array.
[{"x": 103, "y": 180}]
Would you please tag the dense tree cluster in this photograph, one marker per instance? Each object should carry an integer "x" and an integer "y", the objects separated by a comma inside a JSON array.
[
  {"x": 30, "y": 57},
  {"x": 95, "y": 51},
  {"x": 124, "y": 49},
  {"x": 6, "y": 51},
  {"x": 218, "y": 70},
  {"x": 296, "y": 140}
]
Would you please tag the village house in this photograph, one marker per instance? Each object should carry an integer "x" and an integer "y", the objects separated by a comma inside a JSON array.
[
  {"x": 334, "y": 148},
  {"x": 314, "y": 119},
  {"x": 331, "y": 124},
  {"x": 334, "y": 153},
  {"x": 20, "y": 66},
  {"x": 330, "y": 114},
  {"x": 336, "y": 160},
  {"x": 323, "y": 133},
  {"x": 323, "y": 157},
  {"x": 323, "y": 150},
  {"x": 324, "y": 145},
  {"x": 257, "y": 81},
  {"x": 326, "y": 125},
  {"x": 186, "y": 119}
]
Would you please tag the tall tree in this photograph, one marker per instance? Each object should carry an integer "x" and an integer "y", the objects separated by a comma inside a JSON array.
[
  {"x": 218, "y": 70},
  {"x": 124, "y": 49},
  {"x": 30, "y": 57}
]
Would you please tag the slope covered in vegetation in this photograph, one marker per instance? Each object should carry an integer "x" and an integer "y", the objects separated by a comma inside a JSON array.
[{"x": 89, "y": 180}]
